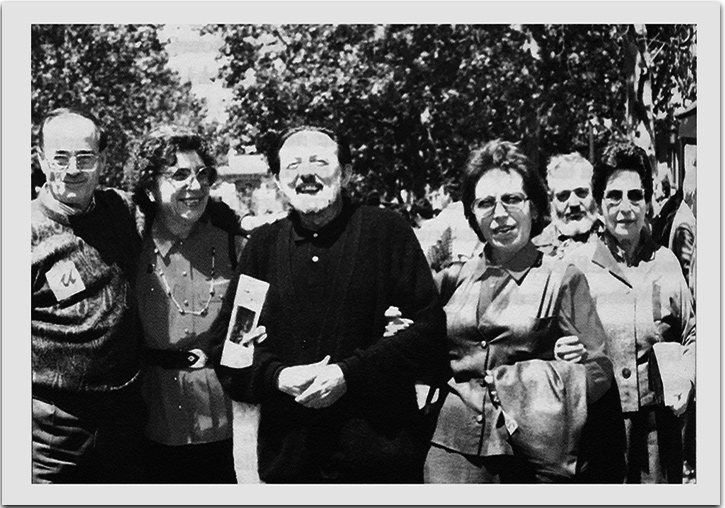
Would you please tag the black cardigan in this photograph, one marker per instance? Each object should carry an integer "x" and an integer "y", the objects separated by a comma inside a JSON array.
[{"x": 375, "y": 431}]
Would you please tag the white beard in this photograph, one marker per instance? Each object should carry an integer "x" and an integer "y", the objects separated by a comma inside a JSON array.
[
  {"x": 306, "y": 203},
  {"x": 583, "y": 225}
]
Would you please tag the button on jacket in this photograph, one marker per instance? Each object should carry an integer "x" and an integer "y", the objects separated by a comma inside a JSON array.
[
  {"x": 500, "y": 315},
  {"x": 639, "y": 305}
]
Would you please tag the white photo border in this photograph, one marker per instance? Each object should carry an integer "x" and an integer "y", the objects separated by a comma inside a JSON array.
[{"x": 17, "y": 17}]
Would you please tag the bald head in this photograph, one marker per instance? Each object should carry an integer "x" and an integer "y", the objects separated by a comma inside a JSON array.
[
  {"x": 73, "y": 115},
  {"x": 70, "y": 156}
]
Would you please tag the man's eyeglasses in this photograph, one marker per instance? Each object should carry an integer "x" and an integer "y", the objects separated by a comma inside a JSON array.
[
  {"x": 510, "y": 202},
  {"x": 614, "y": 197},
  {"x": 83, "y": 161},
  {"x": 204, "y": 175},
  {"x": 580, "y": 192}
]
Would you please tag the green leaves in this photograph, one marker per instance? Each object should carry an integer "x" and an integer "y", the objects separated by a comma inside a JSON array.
[
  {"x": 119, "y": 73},
  {"x": 413, "y": 99}
]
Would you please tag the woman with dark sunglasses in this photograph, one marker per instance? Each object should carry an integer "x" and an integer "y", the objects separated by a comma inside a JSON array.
[{"x": 643, "y": 300}]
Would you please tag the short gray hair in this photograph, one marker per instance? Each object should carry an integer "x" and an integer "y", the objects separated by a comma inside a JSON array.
[{"x": 570, "y": 161}]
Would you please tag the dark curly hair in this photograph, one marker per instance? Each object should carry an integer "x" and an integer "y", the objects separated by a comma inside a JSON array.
[
  {"x": 56, "y": 113},
  {"x": 505, "y": 156},
  {"x": 274, "y": 143},
  {"x": 622, "y": 155},
  {"x": 158, "y": 151}
]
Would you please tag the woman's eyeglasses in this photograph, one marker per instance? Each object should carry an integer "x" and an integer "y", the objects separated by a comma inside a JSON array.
[
  {"x": 510, "y": 202},
  {"x": 580, "y": 192},
  {"x": 614, "y": 197},
  {"x": 181, "y": 176}
]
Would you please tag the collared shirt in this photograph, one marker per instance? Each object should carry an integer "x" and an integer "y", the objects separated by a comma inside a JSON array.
[
  {"x": 314, "y": 259},
  {"x": 185, "y": 405},
  {"x": 500, "y": 315},
  {"x": 640, "y": 303}
]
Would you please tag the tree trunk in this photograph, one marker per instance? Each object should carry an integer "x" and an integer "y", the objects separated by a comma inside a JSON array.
[{"x": 639, "y": 110}]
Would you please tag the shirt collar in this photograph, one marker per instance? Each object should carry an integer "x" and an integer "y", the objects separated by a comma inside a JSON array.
[
  {"x": 606, "y": 254},
  {"x": 517, "y": 267},
  {"x": 603, "y": 257},
  {"x": 644, "y": 252},
  {"x": 164, "y": 240},
  {"x": 329, "y": 230}
]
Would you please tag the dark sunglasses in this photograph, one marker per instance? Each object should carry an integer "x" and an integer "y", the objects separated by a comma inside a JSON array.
[
  {"x": 580, "y": 192},
  {"x": 633, "y": 195}
]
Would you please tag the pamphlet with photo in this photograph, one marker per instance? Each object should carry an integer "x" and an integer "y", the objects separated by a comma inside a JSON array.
[{"x": 248, "y": 303}]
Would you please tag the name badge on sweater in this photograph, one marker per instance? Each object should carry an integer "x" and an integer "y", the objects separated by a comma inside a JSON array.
[{"x": 64, "y": 280}]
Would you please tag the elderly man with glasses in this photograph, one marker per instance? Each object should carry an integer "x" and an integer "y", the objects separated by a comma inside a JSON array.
[{"x": 87, "y": 407}]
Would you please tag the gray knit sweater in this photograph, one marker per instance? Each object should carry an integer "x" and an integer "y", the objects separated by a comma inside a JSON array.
[{"x": 85, "y": 332}]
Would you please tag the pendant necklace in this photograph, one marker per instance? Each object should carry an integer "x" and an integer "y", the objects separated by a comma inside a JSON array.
[{"x": 181, "y": 310}]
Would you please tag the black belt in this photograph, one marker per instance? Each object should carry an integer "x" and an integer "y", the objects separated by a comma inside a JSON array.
[{"x": 176, "y": 359}]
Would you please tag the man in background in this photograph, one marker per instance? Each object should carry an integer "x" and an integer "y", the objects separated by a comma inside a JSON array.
[{"x": 574, "y": 218}]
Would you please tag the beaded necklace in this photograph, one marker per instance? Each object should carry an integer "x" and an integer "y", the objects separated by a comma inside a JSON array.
[{"x": 181, "y": 310}]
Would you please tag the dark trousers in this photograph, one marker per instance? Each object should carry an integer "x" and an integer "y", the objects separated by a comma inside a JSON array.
[
  {"x": 688, "y": 435},
  {"x": 195, "y": 463},
  {"x": 654, "y": 446},
  {"x": 602, "y": 447},
  {"x": 77, "y": 444}
]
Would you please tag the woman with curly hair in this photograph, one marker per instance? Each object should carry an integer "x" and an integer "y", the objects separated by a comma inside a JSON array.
[{"x": 189, "y": 253}]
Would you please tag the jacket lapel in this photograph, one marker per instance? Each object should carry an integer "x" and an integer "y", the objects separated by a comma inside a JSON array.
[{"x": 604, "y": 258}]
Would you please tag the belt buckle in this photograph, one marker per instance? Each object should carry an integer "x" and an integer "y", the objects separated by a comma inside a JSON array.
[{"x": 197, "y": 358}]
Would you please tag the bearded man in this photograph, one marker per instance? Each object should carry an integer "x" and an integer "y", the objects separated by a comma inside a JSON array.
[
  {"x": 338, "y": 401},
  {"x": 574, "y": 217}
]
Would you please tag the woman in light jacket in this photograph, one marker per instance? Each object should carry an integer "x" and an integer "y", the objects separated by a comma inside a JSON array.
[{"x": 642, "y": 299}]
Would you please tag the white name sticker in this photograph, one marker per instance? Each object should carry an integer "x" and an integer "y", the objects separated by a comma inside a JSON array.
[{"x": 64, "y": 280}]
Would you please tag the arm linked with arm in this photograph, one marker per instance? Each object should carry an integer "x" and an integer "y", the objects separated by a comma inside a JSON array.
[
  {"x": 578, "y": 316},
  {"x": 418, "y": 352}
]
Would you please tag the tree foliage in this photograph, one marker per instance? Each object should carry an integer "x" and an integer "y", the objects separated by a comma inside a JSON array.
[
  {"x": 414, "y": 99},
  {"x": 118, "y": 72}
]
